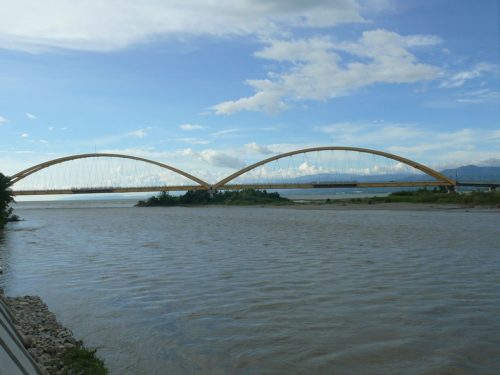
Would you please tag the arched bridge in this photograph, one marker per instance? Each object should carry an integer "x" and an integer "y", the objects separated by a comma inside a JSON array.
[{"x": 319, "y": 167}]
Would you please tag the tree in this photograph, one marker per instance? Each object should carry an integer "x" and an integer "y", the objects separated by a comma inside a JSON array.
[{"x": 6, "y": 198}]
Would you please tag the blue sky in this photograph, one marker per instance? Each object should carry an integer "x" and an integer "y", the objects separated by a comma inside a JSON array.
[{"x": 212, "y": 86}]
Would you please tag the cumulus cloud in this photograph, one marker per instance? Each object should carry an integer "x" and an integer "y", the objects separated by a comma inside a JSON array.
[
  {"x": 216, "y": 158},
  {"x": 259, "y": 149},
  {"x": 96, "y": 25},
  {"x": 321, "y": 69},
  {"x": 31, "y": 116},
  {"x": 25, "y": 135},
  {"x": 190, "y": 127},
  {"x": 3, "y": 120}
]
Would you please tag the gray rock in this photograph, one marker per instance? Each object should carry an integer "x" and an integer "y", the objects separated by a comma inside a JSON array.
[{"x": 42, "y": 335}]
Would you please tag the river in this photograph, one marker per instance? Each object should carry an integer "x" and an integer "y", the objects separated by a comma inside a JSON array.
[{"x": 252, "y": 290}]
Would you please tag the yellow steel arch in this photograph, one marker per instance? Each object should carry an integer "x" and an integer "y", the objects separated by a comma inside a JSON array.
[
  {"x": 25, "y": 173},
  {"x": 429, "y": 171}
]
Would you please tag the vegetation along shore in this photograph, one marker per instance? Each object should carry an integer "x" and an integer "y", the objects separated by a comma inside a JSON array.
[
  {"x": 434, "y": 196},
  {"x": 262, "y": 197},
  {"x": 204, "y": 197},
  {"x": 6, "y": 198}
]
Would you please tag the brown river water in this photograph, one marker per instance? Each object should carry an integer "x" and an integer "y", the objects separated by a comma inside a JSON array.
[{"x": 252, "y": 290}]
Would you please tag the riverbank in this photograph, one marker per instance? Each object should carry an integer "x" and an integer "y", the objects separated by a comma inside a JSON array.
[
  {"x": 252, "y": 197},
  {"x": 394, "y": 206},
  {"x": 51, "y": 345},
  {"x": 421, "y": 199},
  {"x": 426, "y": 196}
]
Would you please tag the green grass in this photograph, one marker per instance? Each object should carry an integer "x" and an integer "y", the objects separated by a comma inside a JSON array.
[
  {"x": 80, "y": 360},
  {"x": 474, "y": 198}
]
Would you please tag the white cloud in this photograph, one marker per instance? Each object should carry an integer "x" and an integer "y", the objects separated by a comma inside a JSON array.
[
  {"x": 96, "y": 25},
  {"x": 216, "y": 158},
  {"x": 190, "y": 127},
  {"x": 492, "y": 162},
  {"x": 50, "y": 128},
  {"x": 139, "y": 133},
  {"x": 266, "y": 101},
  {"x": 145, "y": 152},
  {"x": 25, "y": 135},
  {"x": 478, "y": 96},
  {"x": 374, "y": 134},
  {"x": 421, "y": 143},
  {"x": 259, "y": 149},
  {"x": 460, "y": 78},
  {"x": 31, "y": 116},
  {"x": 225, "y": 132},
  {"x": 337, "y": 168},
  {"x": 322, "y": 69},
  {"x": 436, "y": 148},
  {"x": 193, "y": 140},
  {"x": 3, "y": 120}
]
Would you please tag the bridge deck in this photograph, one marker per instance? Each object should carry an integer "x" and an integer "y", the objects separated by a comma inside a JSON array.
[{"x": 317, "y": 185}]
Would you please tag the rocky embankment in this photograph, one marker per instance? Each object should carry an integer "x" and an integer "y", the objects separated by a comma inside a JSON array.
[{"x": 44, "y": 338}]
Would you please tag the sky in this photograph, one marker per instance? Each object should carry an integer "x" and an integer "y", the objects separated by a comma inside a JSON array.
[{"x": 212, "y": 86}]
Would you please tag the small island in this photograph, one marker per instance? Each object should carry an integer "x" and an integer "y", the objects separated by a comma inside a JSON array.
[{"x": 203, "y": 197}]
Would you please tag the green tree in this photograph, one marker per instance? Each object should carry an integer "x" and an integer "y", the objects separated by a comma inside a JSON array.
[{"x": 6, "y": 198}]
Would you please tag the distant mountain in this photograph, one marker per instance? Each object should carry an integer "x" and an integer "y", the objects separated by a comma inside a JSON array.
[
  {"x": 465, "y": 173},
  {"x": 344, "y": 177},
  {"x": 473, "y": 173}
]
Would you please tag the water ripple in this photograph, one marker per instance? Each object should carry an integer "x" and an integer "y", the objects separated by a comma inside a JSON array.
[{"x": 258, "y": 290}]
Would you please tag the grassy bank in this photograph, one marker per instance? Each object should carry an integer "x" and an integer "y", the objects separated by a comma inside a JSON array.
[
  {"x": 80, "y": 360},
  {"x": 262, "y": 197},
  {"x": 202, "y": 197},
  {"x": 474, "y": 198}
]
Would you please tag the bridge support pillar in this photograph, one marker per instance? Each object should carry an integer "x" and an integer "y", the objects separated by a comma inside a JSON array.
[
  {"x": 492, "y": 188},
  {"x": 451, "y": 189},
  {"x": 211, "y": 192}
]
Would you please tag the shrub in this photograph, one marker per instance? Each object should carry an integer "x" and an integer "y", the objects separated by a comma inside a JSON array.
[{"x": 6, "y": 198}]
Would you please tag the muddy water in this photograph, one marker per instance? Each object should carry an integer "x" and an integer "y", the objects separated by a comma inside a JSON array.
[{"x": 262, "y": 290}]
